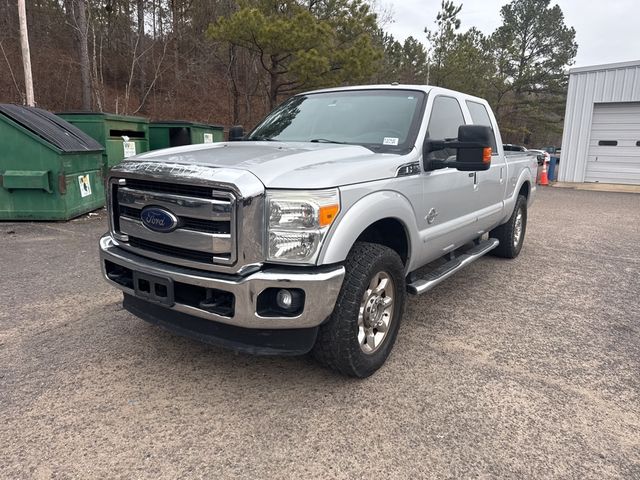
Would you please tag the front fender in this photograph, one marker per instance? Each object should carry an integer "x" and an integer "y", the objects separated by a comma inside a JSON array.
[{"x": 363, "y": 213}]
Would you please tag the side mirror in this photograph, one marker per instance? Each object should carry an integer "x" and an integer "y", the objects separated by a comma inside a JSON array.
[
  {"x": 236, "y": 133},
  {"x": 473, "y": 147}
]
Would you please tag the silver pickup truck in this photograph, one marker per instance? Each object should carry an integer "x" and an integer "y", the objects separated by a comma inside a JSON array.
[{"x": 306, "y": 234}]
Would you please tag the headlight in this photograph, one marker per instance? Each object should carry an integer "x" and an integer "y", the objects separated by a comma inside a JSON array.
[{"x": 298, "y": 222}]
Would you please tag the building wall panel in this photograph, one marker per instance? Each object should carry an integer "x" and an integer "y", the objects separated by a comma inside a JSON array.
[{"x": 587, "y": 86}]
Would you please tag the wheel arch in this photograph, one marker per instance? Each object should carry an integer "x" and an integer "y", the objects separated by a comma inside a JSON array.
[
  {"x": 389, "y": 232},
  {"x": 525, "y": 189},
  {"x": 524, "y": 184}
]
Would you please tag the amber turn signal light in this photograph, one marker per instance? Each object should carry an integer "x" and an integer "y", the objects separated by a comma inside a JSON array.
[
  {"x": 486, "y": 155},
  {"x": 328, "y": 214}
]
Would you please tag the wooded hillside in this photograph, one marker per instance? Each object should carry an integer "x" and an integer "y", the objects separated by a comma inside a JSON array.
[{"x": 229, "y": 62}]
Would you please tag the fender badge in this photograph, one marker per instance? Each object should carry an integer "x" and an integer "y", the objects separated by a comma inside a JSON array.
[{"x": 431, "y": 216}]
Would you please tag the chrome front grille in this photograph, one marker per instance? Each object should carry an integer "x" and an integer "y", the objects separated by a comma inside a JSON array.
[
  {"x": 206, "y": 231},
  {"x": 186, "y": 222}
]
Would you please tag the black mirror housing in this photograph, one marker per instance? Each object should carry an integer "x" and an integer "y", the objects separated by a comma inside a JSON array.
[
  {"x": 236, "y": 133},
  {"x": 472, "y": 157},
  {"x": 473, "y": 147}
]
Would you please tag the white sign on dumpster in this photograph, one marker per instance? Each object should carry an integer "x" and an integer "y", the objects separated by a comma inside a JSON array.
[
  {"x": 85, "y": 185},
  {"x": 208, "y": 138},
  {"x": 129, "y": 149}
]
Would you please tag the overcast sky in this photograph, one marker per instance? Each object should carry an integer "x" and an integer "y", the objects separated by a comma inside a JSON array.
[{"x": 606, "y": 31}]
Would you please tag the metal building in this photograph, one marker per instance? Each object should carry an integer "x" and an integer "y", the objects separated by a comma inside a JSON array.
[{"x": 601, "y": 138}]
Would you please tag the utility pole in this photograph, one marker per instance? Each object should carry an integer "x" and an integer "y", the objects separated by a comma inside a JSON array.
[
  {"x": 82, "y": 36},
  {"x": 26, "y": 55}
]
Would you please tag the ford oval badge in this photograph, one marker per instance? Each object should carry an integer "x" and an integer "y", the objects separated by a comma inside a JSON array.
[{"x": 158, "y": 219}]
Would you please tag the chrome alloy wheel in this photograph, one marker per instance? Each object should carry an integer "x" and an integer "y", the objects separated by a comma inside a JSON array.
[
  {"x": 517, "y": 229},
  {"x": 376, "y": 312}
]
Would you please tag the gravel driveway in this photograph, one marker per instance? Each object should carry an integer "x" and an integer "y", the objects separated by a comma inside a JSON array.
[{"x": 510, "y": 369}]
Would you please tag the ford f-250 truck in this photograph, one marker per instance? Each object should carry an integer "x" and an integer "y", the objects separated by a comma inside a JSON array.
[{"x": 306, "y": 234}]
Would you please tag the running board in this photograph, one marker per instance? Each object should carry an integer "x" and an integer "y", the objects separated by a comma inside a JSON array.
[{"x": 434, "y": 277}]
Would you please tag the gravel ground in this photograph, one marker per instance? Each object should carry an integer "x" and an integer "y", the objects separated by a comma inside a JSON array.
[{"x": 510, "y": 369}]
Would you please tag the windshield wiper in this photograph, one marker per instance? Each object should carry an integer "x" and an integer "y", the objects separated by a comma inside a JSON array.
[
  {"x": 326, "y": 140},
  {"x": 259, "y": 138}
]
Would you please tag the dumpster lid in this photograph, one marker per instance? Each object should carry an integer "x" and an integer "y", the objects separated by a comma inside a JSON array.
[
  {"x": 185, "y": 123},
  {"x": 105, "y": 116},
  {"x": 51, "y": 128}
]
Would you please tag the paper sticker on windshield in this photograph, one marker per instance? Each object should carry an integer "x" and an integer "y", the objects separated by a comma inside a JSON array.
[
  {"x": 390, "y": 141},
  {"x": 85, "y": 185}
]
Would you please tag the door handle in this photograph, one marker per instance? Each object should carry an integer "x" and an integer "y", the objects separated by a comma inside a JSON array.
[
  {"x": 475, "y": 180},
  {"x": 501, "y": 174}
]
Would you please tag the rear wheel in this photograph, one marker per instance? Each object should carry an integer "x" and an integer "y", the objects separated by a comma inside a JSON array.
[
  {"x": 511, "y": 234},
  {"x": 359, "y": 335}
]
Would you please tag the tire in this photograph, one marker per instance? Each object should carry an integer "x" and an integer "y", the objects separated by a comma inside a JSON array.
[
  {"x": 511, "y": 237},
  {"x": 347, "y": 341}
]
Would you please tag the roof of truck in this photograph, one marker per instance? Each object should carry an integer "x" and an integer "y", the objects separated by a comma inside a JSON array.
[
  {"x": 398, "y": 86},
  {"x": 386, "y": 86}
]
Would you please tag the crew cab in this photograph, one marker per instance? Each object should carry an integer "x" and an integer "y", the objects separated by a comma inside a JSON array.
[{"x": 306, "y": 234}]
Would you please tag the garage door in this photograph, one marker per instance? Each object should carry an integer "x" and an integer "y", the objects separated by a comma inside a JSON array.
[{"x": 614, "y": 146}]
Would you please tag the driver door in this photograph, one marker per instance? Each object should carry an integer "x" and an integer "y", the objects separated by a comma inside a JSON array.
[{"x": 449, "y": 196}]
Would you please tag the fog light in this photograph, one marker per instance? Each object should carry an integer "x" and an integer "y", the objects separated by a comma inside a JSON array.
[
  {"x": 284, "y": 299},
  {"x": 280, "y": 302}
]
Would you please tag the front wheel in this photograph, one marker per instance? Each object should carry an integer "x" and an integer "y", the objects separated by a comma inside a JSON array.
[
  {"x": 511, "y": 233},
  {"x": 359, "y": 335}
]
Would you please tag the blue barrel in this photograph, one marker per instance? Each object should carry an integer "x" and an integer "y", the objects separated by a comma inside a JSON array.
[{"x": 553, "y": 161}]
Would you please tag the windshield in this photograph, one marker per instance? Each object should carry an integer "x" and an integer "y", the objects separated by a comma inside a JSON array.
[{"x": 384, "y": 120}]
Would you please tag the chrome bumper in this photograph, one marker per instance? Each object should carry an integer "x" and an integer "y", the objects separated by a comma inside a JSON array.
[{"x": 321, "y": 287}]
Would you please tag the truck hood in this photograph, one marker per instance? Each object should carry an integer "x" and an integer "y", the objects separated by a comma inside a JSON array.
[{"x": 290, "y": 164}]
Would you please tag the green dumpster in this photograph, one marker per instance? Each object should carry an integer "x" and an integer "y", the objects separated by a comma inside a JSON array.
[
  {"x": 121, "y": 136},
  {"x": 49, "y": 170},
  {"x": 175, "y": 133}
]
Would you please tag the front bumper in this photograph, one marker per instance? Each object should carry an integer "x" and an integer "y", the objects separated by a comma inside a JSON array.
[
  {"x": 263, "y": 341},
  {"x": 320, "y": 285}
]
